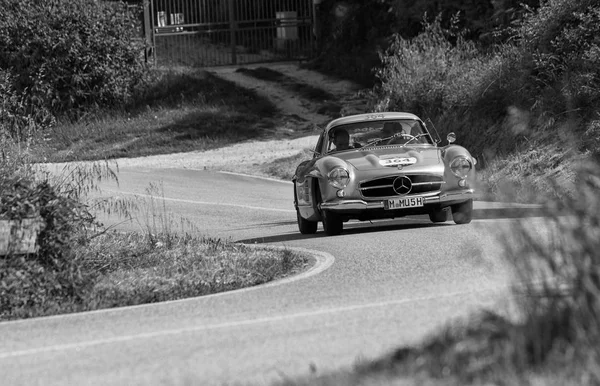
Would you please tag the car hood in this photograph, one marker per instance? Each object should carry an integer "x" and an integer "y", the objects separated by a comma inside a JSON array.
[{"x": 392, "y": 156}]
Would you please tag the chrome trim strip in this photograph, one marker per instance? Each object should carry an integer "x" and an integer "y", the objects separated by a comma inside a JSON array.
[
  {"x": 404, "y": 173},
  {"x": 428, "y": 183},
  {"x": 377, "y": 187},
  {"x": 414, "y": 184},
  {"x": 365, "y": 205}
]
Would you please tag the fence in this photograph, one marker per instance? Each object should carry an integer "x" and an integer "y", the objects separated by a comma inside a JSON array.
[{"x": 222, "y": 32}]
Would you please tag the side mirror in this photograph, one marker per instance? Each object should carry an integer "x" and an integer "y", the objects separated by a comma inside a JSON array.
[{"x": 451, "y": 137}]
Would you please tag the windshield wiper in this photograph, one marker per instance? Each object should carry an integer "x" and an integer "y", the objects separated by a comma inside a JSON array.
[
  {"x": 413, "y": 137},
  {"x": 378, "y": 140}
]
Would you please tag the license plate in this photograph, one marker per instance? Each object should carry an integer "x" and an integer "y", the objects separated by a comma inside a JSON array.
[{"x": 407, "y": 202}]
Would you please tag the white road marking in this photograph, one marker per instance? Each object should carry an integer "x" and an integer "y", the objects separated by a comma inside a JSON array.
[
  {"x": 240, "y": 323},
  {"x": 323, "y": 261},
  {"x": 257, "y": 177},
  {"x": 195, "y": 202}
]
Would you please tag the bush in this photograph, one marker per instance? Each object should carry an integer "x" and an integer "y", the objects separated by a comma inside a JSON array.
[
  {"x": 17, "y": 119},
  {"x": 561, "y": 40},
  {"x": 52, "y": 275},
  {"x": 52, "y": 272},
  {"x": 503, "y": 100},
  {"x": 62, "y": 58},
  {"x": 558, "y": 272},
  {"x": 428, "y": 74}
]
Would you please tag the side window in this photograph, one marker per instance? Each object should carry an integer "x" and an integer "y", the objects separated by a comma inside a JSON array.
[{"x": 319, "y": 147}]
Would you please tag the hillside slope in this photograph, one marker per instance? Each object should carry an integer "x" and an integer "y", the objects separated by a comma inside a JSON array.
[{"x": 306, "y": 101}]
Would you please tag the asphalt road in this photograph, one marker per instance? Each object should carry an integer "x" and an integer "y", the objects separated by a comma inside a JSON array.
[{"x": 374, "y": 288}]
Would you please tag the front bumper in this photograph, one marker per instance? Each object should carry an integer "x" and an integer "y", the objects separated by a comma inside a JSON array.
[{"x": 444, "y": 199}]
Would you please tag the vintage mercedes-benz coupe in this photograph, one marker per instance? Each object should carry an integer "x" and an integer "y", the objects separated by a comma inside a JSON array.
[{"x": 382, "y": 165}]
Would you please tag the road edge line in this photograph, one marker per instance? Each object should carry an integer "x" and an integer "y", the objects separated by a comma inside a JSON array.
[{"x": 323, "y": 261}]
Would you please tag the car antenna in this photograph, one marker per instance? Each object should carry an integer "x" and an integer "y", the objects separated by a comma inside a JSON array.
[{"x": 439, "y": 139}]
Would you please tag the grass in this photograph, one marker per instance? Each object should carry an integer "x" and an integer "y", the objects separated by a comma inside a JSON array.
[
  {"x": 124, "y": 269},
  {"x": 187, "y": 110},
  {"x": 140, "y": 269},
  {"x": 100, "y": 268},
  {"x": 284, "y": 168}
]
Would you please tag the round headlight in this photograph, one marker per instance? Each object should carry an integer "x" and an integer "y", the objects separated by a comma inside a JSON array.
[
  {"x": 461, "y": 167},
  {"x": 339, "y": 177}
]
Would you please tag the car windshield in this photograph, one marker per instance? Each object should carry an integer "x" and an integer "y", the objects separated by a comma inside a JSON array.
[{"x": 377, "y": 133}]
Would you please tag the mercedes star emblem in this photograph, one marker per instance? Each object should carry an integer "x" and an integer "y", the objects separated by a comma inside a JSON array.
[{"x": 402, "y": 185}]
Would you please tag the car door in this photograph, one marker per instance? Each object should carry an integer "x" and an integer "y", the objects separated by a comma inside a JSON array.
[{"x": 304, "y": 184}]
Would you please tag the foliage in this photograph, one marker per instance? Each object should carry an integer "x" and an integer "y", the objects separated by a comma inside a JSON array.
[
  {"x": 80, "y": 265},
  {"x": 41, "y": 280},
  {"x": 137, "y": 270},
  {"x": 62, "y": 58},
  {"x": 27, "y": 285},
  {"x": 558, "y": 275},
  {"x": 118, "y": 269},
  {"x": 427, "y": 74},
  {"x": 188, "y": 110},
  {"x": 52, "y": 270},
  {"x": 17, "y": 119},
  {"x": 350, "y": 42},
  {"x": 503, "y": 100},
  {"x": 562, "y": 41}
]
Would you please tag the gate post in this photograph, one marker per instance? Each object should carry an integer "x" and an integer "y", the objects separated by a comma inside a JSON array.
[
  {"x": 233, "y": 29},
  {"x": 148, "y": 32},
  {"x": 317, "y": 24}
]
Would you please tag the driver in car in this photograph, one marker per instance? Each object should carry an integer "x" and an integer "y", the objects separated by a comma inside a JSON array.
[
  {"x": 392, "y": 132},
  {"x": 341, "y": 140}
]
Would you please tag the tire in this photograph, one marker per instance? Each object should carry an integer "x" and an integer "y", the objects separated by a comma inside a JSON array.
[
  {"x": 306, "y": 227},
  {"x": 462, "y": 213},
  {"x": 332, "y": 223},
  {"x": 438, "y": 215}
]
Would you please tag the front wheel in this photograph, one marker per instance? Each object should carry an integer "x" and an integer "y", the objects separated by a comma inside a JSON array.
[
  {"x": 462, "y": 213},
  {"x": 306, "y": 227},
  {"x": 332, "y": 223}
]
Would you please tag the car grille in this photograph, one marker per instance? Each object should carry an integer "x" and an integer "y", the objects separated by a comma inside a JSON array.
[{"x": 384, "y": 187}]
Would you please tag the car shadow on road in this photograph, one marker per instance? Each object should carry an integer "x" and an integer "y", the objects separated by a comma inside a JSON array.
[
  {"x": 350, "y": 229},
  {"x": 388, "y": 225}
]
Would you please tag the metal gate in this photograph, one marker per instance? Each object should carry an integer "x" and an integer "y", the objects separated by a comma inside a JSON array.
[{"x": 223, "y": 32}]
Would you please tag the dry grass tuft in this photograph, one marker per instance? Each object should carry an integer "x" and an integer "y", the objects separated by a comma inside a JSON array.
[{"x": 138, "y": 270}]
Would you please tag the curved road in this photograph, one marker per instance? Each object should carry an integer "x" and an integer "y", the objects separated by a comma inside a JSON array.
[{"x": 375, "y": 287}]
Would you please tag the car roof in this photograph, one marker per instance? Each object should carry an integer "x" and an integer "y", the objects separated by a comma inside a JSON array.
[{"x": 370, "y": 116}]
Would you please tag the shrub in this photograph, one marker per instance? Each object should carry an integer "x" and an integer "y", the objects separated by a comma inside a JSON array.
[
  {"x": 63, "y": 57},
  {"x": 428, "y": 74},
  {"x": 562, "y": 42},
  {"x": 50, "y": 276},
  {"x": 51, "y": 272},
  {"x": 17, "y": 120},
  {"x": 558, "y": 272},
  {"x": 502, "y": 100}
]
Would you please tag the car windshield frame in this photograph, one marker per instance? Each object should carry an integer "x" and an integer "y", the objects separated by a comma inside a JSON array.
[{"x": 379, "y": 133}]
